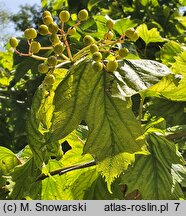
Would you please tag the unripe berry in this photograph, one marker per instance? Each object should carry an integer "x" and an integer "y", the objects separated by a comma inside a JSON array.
[
  {"x": 64, "y": 16},
  {"x": 43, "y": 29},
  {"x": 52, "y": 61},
  {"x": 35, "y": 47},
  {"x": 49, "y": 79},
  {"x": 43, "y": 68},
  {"x": 108, "y": 35},
  {"x": 46, "y": 13},
  {"x": 94, "y": 48},
  {"x": 110, "y": 24},
  {"x": 97, "y": 66},
  {"x": 58, "y": 49},
  {"x": 30, "y": 33},
  {"x": 135, "y": 36},
  {"x": 129, "y": 32},
  {"x": 123, "y": 52},
  {"x": 111, "y": 66},
  {"x": 71, "y": 31},
  {"x": 53, "y": 28},
  {"x": 54, "y": 39},
  {"x": 83, "y": 15},
  {"x": 97, "y": 56},
  {"x": 47, "y": 20},
  {"x": 13, "y": 42},
  {"x": 87, "y": 40}
]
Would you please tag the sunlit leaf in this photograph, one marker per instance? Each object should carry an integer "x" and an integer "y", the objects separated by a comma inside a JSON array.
[
  {"x": 8, "y": 160},
  {"x": 179, "y": 65},
  {"x": 149, "y": 36},
  {"x": 149, "y": 2},
  {"x": 25, "y": 177},
  {"x": 42, "y": 109},
  {"x": 74, "y": 182},
  {"x": 156, "y": 176},
  {"x": 122, "y": 25},
  {"x": 169, "y": 51},
  {"x": 92, "y": 3},
  {"x": 101, "y": 99}
]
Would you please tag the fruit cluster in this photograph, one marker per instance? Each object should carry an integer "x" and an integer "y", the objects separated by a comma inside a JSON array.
[{"x": 60, "y": 34}]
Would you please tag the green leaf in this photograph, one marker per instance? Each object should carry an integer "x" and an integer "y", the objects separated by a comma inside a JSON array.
[
  {"x": 101, "y": 99},
  {"x": 183, "y": 2},
  {"x": 169, "y": 51},
  {"x": 25, "y": 177},
  {"x": 101, "y": 27},
  {"x": 22, "y": 69},
  {"x": 139, "y": 75},
  {"x": 6, "y": 60},
  {"x": 44, "y": 3},
  {"x": 156, "y": 176},
  {"x": 8, "y": 160},
  {"x": 167, "y": 88},
  {"x": 173, "y": 112},
  {"x": 74, "y": 182},
  {"x": 149, "y": 36},
  {"x": 99, "y": 191},
  {"x": 178, "y": 134},
  {"x": 92, "y": 3},
  {"x": 149, "y": 2},
  {"x": 177, "y": 93},
  {"x": 123, "y": 24},
  {"x": 69, "y": 186},
  {"x": 173, "y": 86},
  {"x": 179, "y": 65},
  {"x": 42, "y": 110}
]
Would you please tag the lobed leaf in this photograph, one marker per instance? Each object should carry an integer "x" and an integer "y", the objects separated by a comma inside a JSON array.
[
  {"x": 8, "y": 160},
  {"x": 102, "y": 100},
  {"x": 122, "y": 25},
  {"x": 157, "y": 176},
  {"x": 25, "y": 177},
  {"x": 149, "y": 36}
]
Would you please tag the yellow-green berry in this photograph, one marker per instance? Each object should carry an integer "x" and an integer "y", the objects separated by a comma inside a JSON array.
[
  {"x": 59, "y": 48},
  {"x": 47, "y": 20},
  {"x": 108, "y": 35},
  {"x": 54, "y": 39},
  {"x": 53, "y": 28},
  {"x": 43, "y": 68},
  {"x": 135, "y": 36},
  {"x": 49, "y": 79},
  {"x": 64, "y": 16},
  {"x": 111, "y": 65},
  {"x": 94, "y": 48},
  {"x": 35, "y": 47},
  {"x": 13, "y": 42},
  {"x": 87, "y": 40},
  {"x": 97, "y": 56},
  {"x": 46, "y": 13},
  {"x": 52, "y": 61},
  {"x": 129, "y": 32},
  {"x": 30, "y": 33},
  {"x": 43, "y": 29},
  {"x": 110, "y": 24},
  {"x": 83, "y": 15},
  {"x": 97, "y": 66},
  {"x": 71, "y": 31},
  {"x": 123, "y": 52}
]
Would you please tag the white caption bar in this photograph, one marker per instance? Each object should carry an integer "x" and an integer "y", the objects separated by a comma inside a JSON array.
[{"x": 87, "y": 207}]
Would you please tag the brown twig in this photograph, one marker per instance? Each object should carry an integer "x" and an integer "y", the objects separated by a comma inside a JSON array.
[{"x": 67, "y": 169}]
